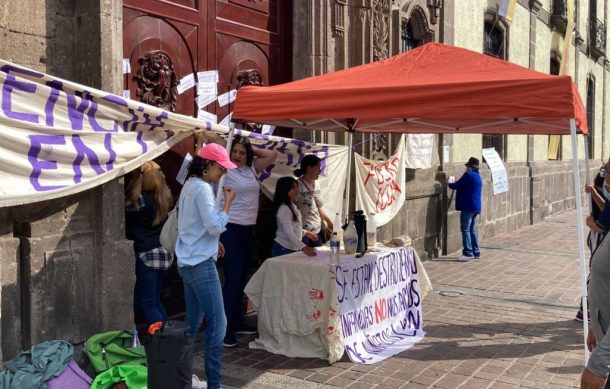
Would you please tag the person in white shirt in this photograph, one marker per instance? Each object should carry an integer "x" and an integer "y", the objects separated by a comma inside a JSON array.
[
  {"x": 289, "y": 230},
  {"x": 309, "y": 199},
  {"x": 238, "y": 239}
]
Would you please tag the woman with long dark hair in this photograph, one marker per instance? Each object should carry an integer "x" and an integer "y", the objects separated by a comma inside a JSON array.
[
  {"x": 200, "y": 223},
  {"x": 288, "y": 229},
  {"x": 309, "y": 200},
  {"x": 147, "y": 203},
  {"x": 239, "y": 240}
]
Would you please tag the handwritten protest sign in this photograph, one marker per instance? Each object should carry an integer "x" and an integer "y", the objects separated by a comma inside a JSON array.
[
  {"x": 499, "y": 177},
  {"x": 419, "y": 149},
  {"x": 380, "y": 185},
  {"x": 380, "y": 304}
]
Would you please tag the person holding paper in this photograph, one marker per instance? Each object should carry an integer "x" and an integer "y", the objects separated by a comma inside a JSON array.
[
  {"x": 238, "y": 239},
  {"x": 200, "y": 223},
  {"x": 468, "y": 201},
  {"x": 309, "y": 200}
]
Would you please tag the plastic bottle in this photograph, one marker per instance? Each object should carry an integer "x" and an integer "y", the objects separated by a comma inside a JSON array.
[
  {"x": 337, "y": 226},
  {"x": 371, "y": 230},
  {"x": 335, "y": 248},
  {"x": 135, "y": 340},
  {"x": 350, "y": 238}
]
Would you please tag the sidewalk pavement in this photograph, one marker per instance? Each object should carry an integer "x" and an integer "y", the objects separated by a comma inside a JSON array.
[{"x": 503, "y": 321}]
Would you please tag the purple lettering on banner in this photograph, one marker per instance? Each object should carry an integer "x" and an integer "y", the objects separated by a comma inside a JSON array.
[
  {"x": 111, "y": 152},
  {"x": 56, "y": 87},
  {"x": 36, "y": 142},
  {"x": 95, "y": 124},
  {"x": 160, "y": 121},
  {"x": 141, "y": 142},
  {"x": 75, "y": 114},
  {"x": 169, "y": 134},
  {"x": 81, "y": 152},
  {"x": 11, "y": 84},
  {"x": 323, "y": 157},
  {"x": 115, "y": 100},
  {"x": 133, "y": 122}
]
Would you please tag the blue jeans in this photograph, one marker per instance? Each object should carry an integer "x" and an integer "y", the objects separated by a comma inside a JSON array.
[
  {"x": 203, "y": 297},
  {"x": 147, "y": 292},
  {"x": 239, "y": 242},
  {"x": 470, "y": 239},
  {"x": 277, "y": 249}
]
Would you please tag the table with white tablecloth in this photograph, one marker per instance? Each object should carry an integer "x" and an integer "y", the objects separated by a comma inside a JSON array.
[{"x": 298, "y": 308}]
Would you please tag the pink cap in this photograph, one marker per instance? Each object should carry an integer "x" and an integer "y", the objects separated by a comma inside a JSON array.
[{"x": 217, "y": 153}]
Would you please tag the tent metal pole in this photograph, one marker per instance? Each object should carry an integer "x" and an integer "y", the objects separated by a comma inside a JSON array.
[
  {"x": 348, "y": 181},
  {"x": 228, "y": 148},
  {"x": 581, "y": 235},
  {"x": 587, "y": 178}
]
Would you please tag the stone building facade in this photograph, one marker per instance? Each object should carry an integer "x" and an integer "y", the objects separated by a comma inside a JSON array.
[{"x": 63, "y": 271}]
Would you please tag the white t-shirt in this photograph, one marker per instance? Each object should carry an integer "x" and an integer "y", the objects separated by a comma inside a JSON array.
[
  {"x": 309, "y": 202},
  {"x": 244, "y": 208},
  {"x": 289, "y": 231}
]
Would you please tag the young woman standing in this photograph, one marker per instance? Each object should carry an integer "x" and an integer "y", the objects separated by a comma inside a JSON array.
[
  {"x": 239, "y": 240},
  {"x": 200, "y": 223}
]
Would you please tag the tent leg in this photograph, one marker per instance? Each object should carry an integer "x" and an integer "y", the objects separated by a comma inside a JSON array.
[
  {"x": 587, "y": 178},
  {"x": 228, "y": 148},
  {"x": 581, "y": 234},
  {"x": 348, "y": 181}
]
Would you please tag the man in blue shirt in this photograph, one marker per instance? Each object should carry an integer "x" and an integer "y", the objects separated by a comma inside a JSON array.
[{"x": 468, "y": 202}]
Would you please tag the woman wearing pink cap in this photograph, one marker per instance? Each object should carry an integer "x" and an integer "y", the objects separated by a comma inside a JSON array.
[{"x": 200, "y": 223}]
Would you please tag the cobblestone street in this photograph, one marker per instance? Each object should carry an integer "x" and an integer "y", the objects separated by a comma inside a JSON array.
[{"x": 503, "y": 321}]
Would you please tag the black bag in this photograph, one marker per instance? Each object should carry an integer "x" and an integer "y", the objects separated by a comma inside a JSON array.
[{"x": 325, "y": 233}]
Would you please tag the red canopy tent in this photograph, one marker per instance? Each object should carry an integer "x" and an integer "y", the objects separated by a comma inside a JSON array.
[{"x": 432, "y": 89}]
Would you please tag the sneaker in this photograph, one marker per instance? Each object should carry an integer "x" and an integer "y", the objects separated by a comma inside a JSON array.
[
  {"x": 464, "y": 258},
  {"x": 245, "y": 329},
  {"x": 477, "y": 256},
  {"x": 198, "y": 384},
  {"x": 229, "y": 341},
  {"x": 580, "y": 316}
]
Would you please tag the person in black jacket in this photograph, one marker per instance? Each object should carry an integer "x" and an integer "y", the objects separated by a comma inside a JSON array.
[{"x": 147, "y": 202}]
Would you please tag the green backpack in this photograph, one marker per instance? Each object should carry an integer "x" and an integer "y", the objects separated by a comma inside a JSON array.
[
  {"x": 134, "y": 377},
  {"x": 113, "y": 348}
]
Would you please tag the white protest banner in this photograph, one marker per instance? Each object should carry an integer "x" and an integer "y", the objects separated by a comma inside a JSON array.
[
  {"x": 380, "y": 304},
  {"x": 186, "y": 83},
  {"x": 380, "y": 185},
  {"x": 499, "y": 177},
  {"x": 419, "y": 148},
  {"x": 58, "y": 138},
  {"x": 291, "y": 152}
]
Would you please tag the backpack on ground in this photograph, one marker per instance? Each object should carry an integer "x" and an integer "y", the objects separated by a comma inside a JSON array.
[{"x": 113, "y": 348}]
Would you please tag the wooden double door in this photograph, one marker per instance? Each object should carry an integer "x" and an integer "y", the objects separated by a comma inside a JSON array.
[{"x": 166, "y": 40}]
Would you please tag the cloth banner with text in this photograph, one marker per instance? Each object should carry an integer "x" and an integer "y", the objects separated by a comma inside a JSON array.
[
  {"x": 380, "y": 185},
  {"x": 419, "y": 149},
  {"x": 59, "y": 138},
  {"x": 380, "y": 303}
]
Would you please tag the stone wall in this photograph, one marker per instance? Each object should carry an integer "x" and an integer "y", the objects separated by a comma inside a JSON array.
[{"x": 66, "y": 270}]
